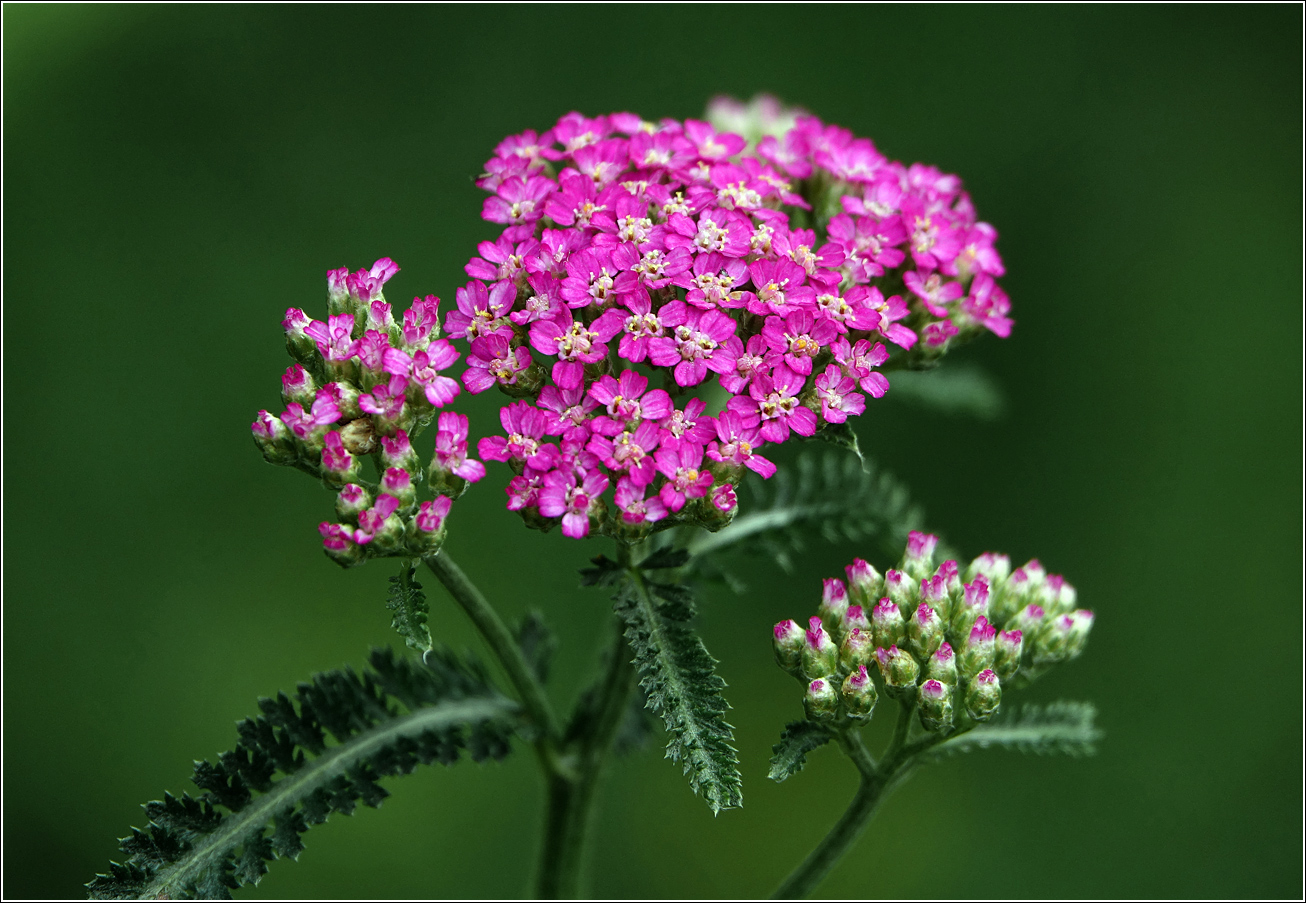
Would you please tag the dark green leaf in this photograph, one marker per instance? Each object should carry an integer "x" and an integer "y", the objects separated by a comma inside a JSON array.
[
  {"x": 604, "y": 572},
  {"x": 681, "y": 684},
  {"x": 798, "y": 739},
  {"x": 1060, "y": 728},
  {"x": 399, "y": 713},
  {"x": 407, "y": 604},
  {"x": 667, "y": 557}
]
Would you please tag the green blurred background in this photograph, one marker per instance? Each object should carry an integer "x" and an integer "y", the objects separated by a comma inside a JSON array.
[{"x": 176, "y": 177}]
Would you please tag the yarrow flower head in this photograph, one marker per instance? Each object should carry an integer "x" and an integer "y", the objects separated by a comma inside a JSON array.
[
  {"x": 956, "y": 647},
  {"x": 774, "y": 264}
]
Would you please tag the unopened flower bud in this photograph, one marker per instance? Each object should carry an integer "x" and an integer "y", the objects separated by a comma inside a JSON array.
[
  {"x": 300, "y": 345},
  {"x": 298, "y": 386},
  {"x": 821, "y": 701},
  {"x": 992, "y": 565},
  {"x": 898, "y": 668},
  {"x": 273, "y": 439},
  {"x": 974, "y": 604},
  {"x": 859, "y": 694},
  {"x": 903, "y": 590},
  {"x": 789, "y": 641},
  {"x": 399, "y": 483},
  {"x": 1006, "y": 661},
  {"x": 918, "y": 562},
  {"x": 1062, "y": 637},
  {"x": 345, "y": 395},
  {"x": 887, "y": 626},
  {"x": 1030, "y": 620},
  {"x": 855, "y": 619},
  {"x": 951, "y": 577},
  {"x": 338, "y": 466},
  {"x": 934, "y": 593},
  {"x": 426, "y": 530},
  {"x": 834, "y": 604},
  {"x": 936, "y": 705},
  {"x": 856, "y": 648},
  {"x": 359, "y": 436},
  {"x": 942, "y": 665},
  {"x": 925, "y": 631},
  {"x": 983, "y": 696},
  {"x": 338, "y": 542},
  {"x": 1056, "y": 595},
  {"x": 352, "y": 500},
  {"x": 1083, "y": 623},
  {"x": 980, "y": 648},
  {"x": 820, "y": 655},
  {"x": 864, "y": 583},
  {"x": 397, "y": 451}
]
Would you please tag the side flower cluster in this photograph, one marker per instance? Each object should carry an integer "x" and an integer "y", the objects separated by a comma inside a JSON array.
[
  {"x": 781, "y": 276},
  {"x": 364, "y": 385},
  {"x": 948, "y": 637}
]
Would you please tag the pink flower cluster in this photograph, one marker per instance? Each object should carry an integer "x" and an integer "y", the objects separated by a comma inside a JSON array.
[
  {"x": 922, "y": 625},
  {"x": 639, "y": 264},
  {"x": 633, "y": 250},
  {"x": 364, "y": 384}
]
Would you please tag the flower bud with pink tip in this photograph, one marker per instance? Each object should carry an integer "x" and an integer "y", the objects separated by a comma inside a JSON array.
[
  {"x": 898, "y": 669},
  {"x": 1006, "y": 661},
  {"x": 821, "y": 701},
  {"x": 859, "y": 694},
  {"x": 834, "y": 605},
  {"x": 942, "y": 665},
  {"x": 789, "y": 640},
  {"x": 887, "y": 624},
  {"x": 820, "y": 655},
  {"x": 864, "y": 583},
  {"x": 935, "y": 705},
  {"x": 983, "y": 696}
]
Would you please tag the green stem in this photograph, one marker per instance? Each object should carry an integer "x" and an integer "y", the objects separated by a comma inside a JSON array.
[
  {"x": 830, "y": 850},
  {"x": 877, "y": 781},
  {"x": 506, "y": 649},
  {"x": 571, "y": 801}
]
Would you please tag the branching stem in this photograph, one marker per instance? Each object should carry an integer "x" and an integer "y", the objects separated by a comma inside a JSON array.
[{"x": 877, "y": 780}]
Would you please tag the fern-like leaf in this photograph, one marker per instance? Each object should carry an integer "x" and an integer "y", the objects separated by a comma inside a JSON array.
[
  {"x": 284, "y": 776},
  {"x": 836, "y": 497},
  {"x": 797, "y": 739},
  {"x": 409, "y": 609},
  {"x": 1060, "y": 728},
  {"x": 681, "y": 685}
]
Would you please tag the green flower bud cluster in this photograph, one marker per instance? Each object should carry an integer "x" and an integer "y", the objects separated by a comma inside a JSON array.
[{"x": 920, "y": 634}]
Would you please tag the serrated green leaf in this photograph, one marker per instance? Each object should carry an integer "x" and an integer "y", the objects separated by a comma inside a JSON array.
[
  {"x": 667, "y": 557},
  {"x": 1060, "y": 728},
  {"x": 603, "y": 572},
  {"x": 398, "y": 714},
  {"x": 409, "y": 609},
  {"x": 831, "y": 497},
  {"x": 797, "y": 739},
  {"x": 954, "y": 389},
  {"x": 681, "y": 684}
]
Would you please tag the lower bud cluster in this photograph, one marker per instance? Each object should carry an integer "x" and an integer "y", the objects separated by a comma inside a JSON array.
[{"x": 921, "y": 631}]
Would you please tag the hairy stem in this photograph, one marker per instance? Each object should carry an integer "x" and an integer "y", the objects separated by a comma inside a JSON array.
[
  {"x": 877, "y": 781},
  {"x": 506, "y": 649}
]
